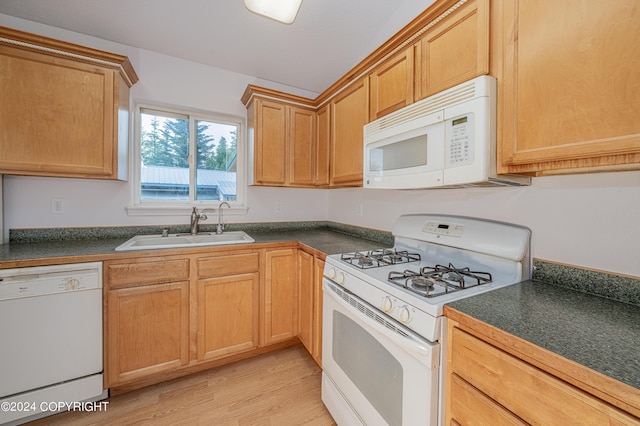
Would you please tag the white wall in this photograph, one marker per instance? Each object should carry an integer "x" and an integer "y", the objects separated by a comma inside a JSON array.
[{"x": 584, "y": 220}]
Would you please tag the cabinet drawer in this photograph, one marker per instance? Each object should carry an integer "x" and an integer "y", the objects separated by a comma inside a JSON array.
[
  {"x": 218, "y": 266},
  {"x": 529, "y": 393},
  {"x": 469, "y": 406},
  {"x": 149, "y": 271}
]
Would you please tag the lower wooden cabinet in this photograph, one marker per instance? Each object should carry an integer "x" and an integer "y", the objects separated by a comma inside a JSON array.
[
  {"x": 228, "y": 304},
  {"x": 148, "y": 330},
  {"x": 488, "y": 385},
  {"x": 167, "y": 314},
  {"x": 318, "y": 268},
  {"x": 280, "y": 297},
  {"x": 310, "y": 270},
  {"x": 228, "y": 315},
  {"x": 305, "y": 300}
]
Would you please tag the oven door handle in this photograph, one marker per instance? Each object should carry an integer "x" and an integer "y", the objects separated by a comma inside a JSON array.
[{"x": 420, "y": 348}]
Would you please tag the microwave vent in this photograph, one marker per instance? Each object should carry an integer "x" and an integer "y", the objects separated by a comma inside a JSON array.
[{"x": 426, "y": 106}]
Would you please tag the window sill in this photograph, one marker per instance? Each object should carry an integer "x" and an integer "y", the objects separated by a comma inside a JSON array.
[{"x": 181, "y": 210}]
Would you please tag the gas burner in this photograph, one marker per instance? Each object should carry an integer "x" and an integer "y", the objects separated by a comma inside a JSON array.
[
  {"x": 379, "y": 258},
  {"x": 423, "y": 283},
  {"x": 464, "y": 277},
  {"x": 437, "y": 280},
  {"x": 364, "y": 261}
]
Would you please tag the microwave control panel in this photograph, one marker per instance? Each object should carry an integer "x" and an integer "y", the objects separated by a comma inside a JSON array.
[{"x": 459, "y": 141}]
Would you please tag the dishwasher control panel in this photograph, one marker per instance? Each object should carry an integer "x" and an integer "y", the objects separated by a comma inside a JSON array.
[{"x": 42, "y": 280}]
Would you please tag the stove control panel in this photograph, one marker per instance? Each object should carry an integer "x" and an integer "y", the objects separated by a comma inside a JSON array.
[{"x": 443, "y": 228}]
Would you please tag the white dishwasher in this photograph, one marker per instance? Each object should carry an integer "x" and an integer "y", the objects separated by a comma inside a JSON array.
[{"x": 50, "y": 338}]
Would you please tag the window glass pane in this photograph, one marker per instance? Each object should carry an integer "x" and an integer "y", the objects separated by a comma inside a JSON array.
[
  {"x": 216, "y": 161},
  {"x": 164, "y": 156}
]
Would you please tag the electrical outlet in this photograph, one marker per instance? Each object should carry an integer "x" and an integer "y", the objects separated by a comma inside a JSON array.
[
  {"x": 57, "y": 205},
  {"x": 359, "y": 209},
  {"x": 279, "y": 206}
]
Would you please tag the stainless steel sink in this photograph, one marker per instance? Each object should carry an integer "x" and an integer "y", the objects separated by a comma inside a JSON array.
[{"x": 149, "y": 242}]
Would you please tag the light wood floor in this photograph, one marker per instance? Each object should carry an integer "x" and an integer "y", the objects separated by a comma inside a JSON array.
[{"x": 279, "y": 388}]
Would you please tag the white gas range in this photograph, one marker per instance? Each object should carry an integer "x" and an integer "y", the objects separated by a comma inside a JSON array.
[{"x": 382, "y": 317}]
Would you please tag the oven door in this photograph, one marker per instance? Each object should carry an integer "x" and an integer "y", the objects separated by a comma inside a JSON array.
[{"x": 376, "y": 371}]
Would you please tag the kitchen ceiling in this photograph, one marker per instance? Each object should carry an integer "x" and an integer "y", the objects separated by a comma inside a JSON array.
[{"x": 327, "y": 39}]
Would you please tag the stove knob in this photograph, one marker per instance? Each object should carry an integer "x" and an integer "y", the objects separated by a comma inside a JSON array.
[
  {"x": 331, "y": 273},
  {"x": 340, "y": 278},
  {"x": 387, "y": 305},
  {"x": 405, "y": 316}
]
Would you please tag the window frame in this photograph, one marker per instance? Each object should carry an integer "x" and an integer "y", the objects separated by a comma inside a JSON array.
[{"x": 138, "y": 207}]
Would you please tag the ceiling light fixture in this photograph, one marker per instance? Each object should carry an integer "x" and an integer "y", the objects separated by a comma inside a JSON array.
[{"x": 284, "y": 11}]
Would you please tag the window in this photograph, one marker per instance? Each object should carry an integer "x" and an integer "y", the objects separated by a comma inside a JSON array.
[{"x": 187, "y": 158}]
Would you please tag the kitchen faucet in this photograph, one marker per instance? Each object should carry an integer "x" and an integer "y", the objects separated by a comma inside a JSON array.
[
  {"x": 220, "y": 227},
  {"x": 195, "y": 219}
]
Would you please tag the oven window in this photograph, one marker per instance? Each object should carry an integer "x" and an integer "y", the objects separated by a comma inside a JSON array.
[
  {"x": 400, "y": 155},
  {"x": 370, "y": 366}
]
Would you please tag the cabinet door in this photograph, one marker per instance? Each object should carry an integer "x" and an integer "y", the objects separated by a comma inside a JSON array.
[
  {"x": 349, "y": 113},
  {"x": 302, "y": 137},
  {"x": 59, "y": 116},
  {"x": 391, "y": 84},
  {"x": 454, "y": 50},
  {"x": 568, "y": 94},
  {"x": 306, "y": 298},
  {"x": 270, "y": 153},
  {"x": 228, "y": 315},
  {"x": 323, "y": 132},
  {"x": 318, "y": 267},
  {"x": 280, "y": 296},
  {"x": 147, "y": 330}
]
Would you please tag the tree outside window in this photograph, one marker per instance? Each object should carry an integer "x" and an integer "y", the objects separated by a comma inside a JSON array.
[{"x": 169, "y": 171}]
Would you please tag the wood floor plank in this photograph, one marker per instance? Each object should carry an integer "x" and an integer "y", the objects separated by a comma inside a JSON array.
[{"x": 274, "y": 389}]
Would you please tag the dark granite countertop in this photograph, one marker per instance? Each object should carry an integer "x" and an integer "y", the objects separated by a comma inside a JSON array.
[
  {"x": 329, "y": 239},
  {"x": 596, "y": 332}
]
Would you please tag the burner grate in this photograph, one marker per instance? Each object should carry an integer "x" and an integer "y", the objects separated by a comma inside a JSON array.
[
  {"x": 432, "y": 281},
  {"x": 378, "y": 258}
]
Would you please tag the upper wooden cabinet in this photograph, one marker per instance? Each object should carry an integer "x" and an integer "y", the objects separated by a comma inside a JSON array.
[
  {"x": 282, "y": 140},
  {"x": 568, "y": 85},
  {"x": 454, "y": 49},
  {"x": 269, "y": 120},
  {"x": 323, "y": 134},
  {"x": 349, "y": 113},
  {"x": 391, "y": 84},
  {"x": 302, "y": 146},
  {"x": 64, "y": 109}
]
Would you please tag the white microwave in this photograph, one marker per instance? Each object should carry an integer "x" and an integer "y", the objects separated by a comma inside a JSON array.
[{"x": 445, "y": 140}]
